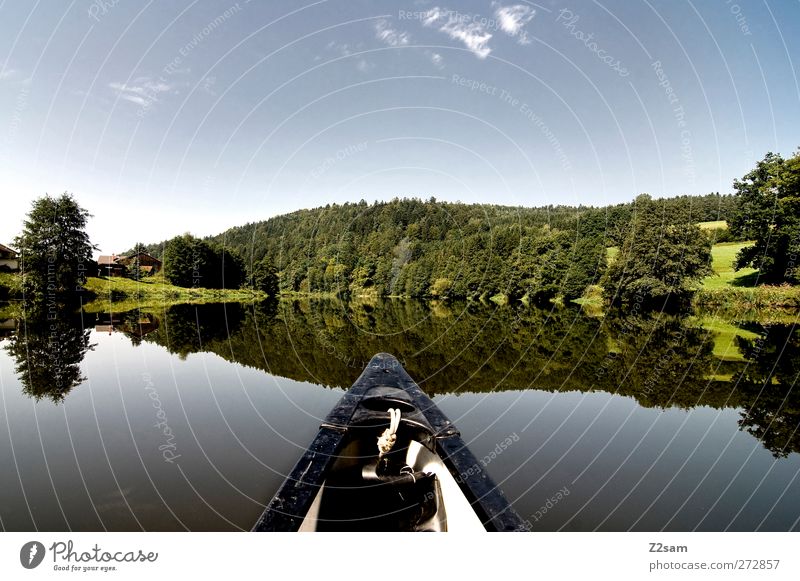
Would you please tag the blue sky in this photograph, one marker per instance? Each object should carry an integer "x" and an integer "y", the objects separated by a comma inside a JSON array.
[{"x": 167, "y": 117}]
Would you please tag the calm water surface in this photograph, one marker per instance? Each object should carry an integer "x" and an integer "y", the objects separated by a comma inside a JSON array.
[{"x": 190, "y": 417}]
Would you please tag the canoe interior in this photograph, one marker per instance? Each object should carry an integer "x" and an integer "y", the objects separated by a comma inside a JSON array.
[
  {"x": 350, "y": 501},
  {"x": 339, "y": 484}
]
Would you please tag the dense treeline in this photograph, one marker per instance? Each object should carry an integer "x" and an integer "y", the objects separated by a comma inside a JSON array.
[
  {"x": 415, "y": 248},
  {"x": 191, "y": 262},
  {"x": 433, "y": 249}
]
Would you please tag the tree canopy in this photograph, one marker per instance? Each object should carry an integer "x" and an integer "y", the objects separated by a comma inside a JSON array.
[
  {"x": 659, "y": 258},
  {"x": 192, "y": 262},
  {"x": 54, "y": 248},
  {"x": 768, "y": 212},
  {"x": 263, "y": 277}
]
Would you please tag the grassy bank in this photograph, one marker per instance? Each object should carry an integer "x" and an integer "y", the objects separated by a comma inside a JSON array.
[
  {"x": 120, "y": 294},
  {"x": 742, "y": 299},
  {"x": 735, "y": 291}
]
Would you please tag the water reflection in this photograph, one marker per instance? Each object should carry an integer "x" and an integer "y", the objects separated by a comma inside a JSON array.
[
  {"x": 186, "y": 329},
  {"x": 48, "y": 348},
  {"x": 662, "y": 361},
  {"x": 134, "y": 324},
  {"x": 768, "y": 386}
]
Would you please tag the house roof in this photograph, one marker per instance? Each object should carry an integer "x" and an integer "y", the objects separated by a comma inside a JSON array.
[
  {"x": 142, "y": 254},
  {"x": 4, "y": 249},
  {"x": 106, "y": 260}
]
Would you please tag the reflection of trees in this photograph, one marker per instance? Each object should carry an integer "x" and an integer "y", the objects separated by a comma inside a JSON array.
[
  {"x": 134, "y": 324},
  {"x": 770, "y": 397},
  {"x": 661, "y": 361},
  {"x": 48, "y": 350},
  {"x": 448, "y": 348},
  {"x": 186, "y": 329},
  {"x": 137, "y": 323}
]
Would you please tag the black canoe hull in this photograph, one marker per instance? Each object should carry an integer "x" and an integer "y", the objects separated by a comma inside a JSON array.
[{"x": 384, "y": 374}]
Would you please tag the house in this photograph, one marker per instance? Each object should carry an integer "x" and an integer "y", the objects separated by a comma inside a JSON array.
[
  {"x": 7, "y": 327},
  {"x": 111, "y": 266},
  {"x": 116, "y": 265},
  {"x": 9, "y": 261},
  {"x": 149, "y": 264}
]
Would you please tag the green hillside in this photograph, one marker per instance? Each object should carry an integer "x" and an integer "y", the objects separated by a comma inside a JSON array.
[{"x": 410, "y": 247}]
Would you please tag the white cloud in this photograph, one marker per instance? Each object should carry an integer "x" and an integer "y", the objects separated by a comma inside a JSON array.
[
  {"x": 436, "y": 59},
  {"x": 7, "y": 74},
  {"x": 143, "y": 91},
  {"x": 472, "y": 32},
  {"x": 389, "y": 35},
  {"x": 432, "y": 16},
  {"x": 364, "y": 66},
  {"x": 512, "y": 20},
  {"x": 342, "y": 48}
]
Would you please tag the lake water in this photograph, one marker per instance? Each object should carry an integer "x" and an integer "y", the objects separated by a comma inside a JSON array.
[{"x": 190, "y": 417}]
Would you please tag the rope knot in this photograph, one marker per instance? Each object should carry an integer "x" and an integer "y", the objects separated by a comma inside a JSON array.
[{"x": 389, "y": 436}]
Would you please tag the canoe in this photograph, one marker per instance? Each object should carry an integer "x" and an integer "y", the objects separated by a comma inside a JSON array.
[{"x": 421, "y": 478}]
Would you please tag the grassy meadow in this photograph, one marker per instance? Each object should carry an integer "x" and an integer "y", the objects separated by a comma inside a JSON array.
[
  {"x": 722, "y": 258},
  {"x": 118, "y": 293}
]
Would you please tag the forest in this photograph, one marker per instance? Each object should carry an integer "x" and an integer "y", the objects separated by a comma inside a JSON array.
[{"x": 434, "y": 249}]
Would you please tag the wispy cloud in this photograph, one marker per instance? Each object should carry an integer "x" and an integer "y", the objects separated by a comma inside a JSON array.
[
  {"x": 389, "y": 35},
  {"x": 471, "y": 32},
  {"x": 345, "y": 49},
  {"x": 436, "y": 59},
  {"x": 13, "y": 76},
  {"x": 364, "y": 65},
  {"x": 339, "y": 47},
  {"x": 512, "y": 20},
  {"x": 143, "y": 91}
]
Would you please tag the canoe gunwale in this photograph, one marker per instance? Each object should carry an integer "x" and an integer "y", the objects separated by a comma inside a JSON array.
[{"x": 288, "y": 508}]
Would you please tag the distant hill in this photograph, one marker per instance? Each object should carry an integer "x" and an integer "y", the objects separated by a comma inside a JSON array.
[{"x": 428, "y": 248}]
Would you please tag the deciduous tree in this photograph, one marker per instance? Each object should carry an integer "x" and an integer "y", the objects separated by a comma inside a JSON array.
[
  {"x": 768, "y": 212},
  {"x": 55, "y": 251}
]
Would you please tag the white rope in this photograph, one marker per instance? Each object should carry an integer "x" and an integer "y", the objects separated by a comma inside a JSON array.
[{"x": 389, "y": 435}]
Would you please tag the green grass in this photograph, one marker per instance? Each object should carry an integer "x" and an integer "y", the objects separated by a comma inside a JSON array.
[
  {"x": 713, "y": 225},
  {"x": 119, "y": 293},
  {"x": 722, "y": 258}
]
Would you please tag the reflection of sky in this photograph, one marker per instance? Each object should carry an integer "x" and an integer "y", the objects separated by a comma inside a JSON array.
[
  {"x": 243, "y": 110},
  {"x": 628, "y": 467}
]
